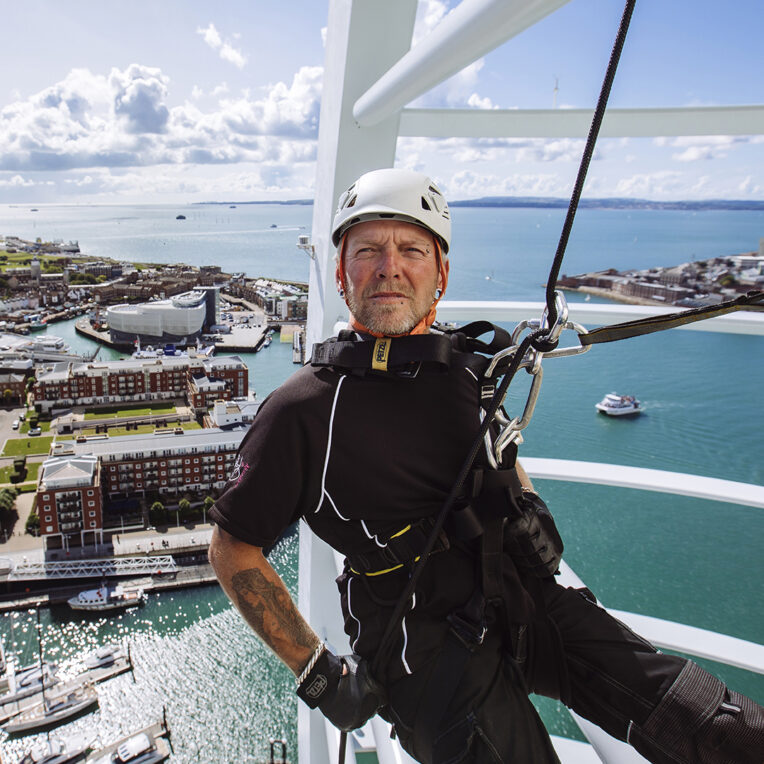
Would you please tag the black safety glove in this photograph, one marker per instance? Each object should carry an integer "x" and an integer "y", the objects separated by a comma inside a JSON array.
[
  {"x": 348, "y": 700},
  {"x": 531, "y": 536}
]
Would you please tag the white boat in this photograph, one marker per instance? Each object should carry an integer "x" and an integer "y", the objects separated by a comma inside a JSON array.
[
  {"x": 107, "y": 598},
  {"x": 619, "y": 405},
  {"x": 138, "y": 749},
  {"x": 27, "y": 682},
  {"x": 53, "y": 710},
  {"x": 58, "y": 751},
  {"x": 104, "y": 656}
]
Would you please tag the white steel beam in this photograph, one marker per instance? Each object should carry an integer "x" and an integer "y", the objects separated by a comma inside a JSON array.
[
  {"x": 575, "y": 123},
  {"x": 594, "y": 314},
  {"x": 472, "y": 29},
  {"x": 363, "y": 40},
  {"x": 678, "y": 636},
  {"x": 661, "y": 481}
]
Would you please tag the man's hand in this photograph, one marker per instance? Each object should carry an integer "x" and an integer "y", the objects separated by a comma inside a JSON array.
[{"x": 343, "y": 689}]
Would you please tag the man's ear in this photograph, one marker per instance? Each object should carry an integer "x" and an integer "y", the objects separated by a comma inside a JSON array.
[{"x": 441, "y": 280}]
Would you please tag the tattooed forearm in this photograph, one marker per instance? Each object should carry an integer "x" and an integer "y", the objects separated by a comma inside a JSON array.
[{"x": 269, "y": 610}]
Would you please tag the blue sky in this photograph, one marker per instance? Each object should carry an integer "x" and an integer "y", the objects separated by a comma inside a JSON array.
[{"x": 185, "y": 101}]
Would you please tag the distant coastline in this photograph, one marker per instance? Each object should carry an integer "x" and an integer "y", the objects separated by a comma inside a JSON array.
[{"x": 542, "y": 202}]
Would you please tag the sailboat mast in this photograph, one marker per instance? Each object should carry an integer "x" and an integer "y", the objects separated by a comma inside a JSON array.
[{"x": 39, "y": 656}]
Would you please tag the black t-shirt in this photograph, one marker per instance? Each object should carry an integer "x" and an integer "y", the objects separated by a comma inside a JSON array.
[{"x": 359, "y": 457}]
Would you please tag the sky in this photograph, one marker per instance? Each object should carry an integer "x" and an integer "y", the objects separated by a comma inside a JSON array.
[{"x": 185, "y": 101}]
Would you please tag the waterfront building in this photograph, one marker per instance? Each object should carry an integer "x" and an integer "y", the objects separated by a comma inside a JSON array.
[
  {"x": 235, "y": 412},
  {"x": 132, "y": 380},
  {"x": 69, "y": 500},
  {"x": 170, "y": 463},
  {"x": 179, "y": 319},
  {"x": 284, "y": 300}
]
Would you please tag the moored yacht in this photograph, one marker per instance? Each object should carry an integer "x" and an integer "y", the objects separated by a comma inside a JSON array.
[{"x": 107, "y": 598}]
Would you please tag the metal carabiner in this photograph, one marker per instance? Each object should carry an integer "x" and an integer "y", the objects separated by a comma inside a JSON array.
[
  {"x": 512, "y": 430},
  {"x": 552, "y": 333},
  {"x": 573, "y": 349}
]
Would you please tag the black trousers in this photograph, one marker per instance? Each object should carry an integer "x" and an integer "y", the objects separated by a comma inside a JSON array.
[{"x": 668, "y": 708}]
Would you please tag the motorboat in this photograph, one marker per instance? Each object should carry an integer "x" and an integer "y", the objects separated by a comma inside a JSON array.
[
  {"x": 104, "y": 656},
  {"x": 138, "y": 749},
  {"x": 27, "y": 682},
  {"x": 53, "y": 710},
  {"x": 619, "y": 405},
  {"x": 107, "y": 598},
  {"x": 58, "y": 751}
]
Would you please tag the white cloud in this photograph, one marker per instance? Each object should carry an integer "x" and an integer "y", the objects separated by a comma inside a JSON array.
[
  {"x": 705, "y": 147},
  {"x": 123, "y": 120},
  {"x": 139, "y": 95},
  {"x": 224, "y": 48},
  {"x": 466, "y": 184},
  {"x": 17, "y": 181}
]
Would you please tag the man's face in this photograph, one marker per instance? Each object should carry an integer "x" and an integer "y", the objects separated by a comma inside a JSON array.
[{"x": 391, "y": 275}]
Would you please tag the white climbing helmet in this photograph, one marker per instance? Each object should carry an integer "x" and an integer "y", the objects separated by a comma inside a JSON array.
[{"x": 394, "y": 194}]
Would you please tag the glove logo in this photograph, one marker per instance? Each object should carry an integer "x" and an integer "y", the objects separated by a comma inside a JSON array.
[{"x": 316, "y": 688}]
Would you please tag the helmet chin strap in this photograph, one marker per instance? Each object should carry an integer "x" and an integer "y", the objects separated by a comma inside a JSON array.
[{"x": 423, "y": 327}]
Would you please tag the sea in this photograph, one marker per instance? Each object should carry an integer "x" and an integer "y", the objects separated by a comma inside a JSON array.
[{"x": 692, "y": 561}]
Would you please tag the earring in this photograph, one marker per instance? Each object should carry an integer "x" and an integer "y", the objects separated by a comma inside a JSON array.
[{"x": 342, "y": 292}]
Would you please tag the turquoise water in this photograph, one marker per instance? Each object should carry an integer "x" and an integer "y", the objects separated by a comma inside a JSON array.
[{"x": 692, "y": 561}]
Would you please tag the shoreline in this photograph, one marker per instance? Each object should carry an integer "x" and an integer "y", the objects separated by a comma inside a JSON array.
[{"x": 615, "y": 296}]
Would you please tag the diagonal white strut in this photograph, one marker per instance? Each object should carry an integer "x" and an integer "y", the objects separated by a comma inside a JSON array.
[{"x": 469, "y": 31}]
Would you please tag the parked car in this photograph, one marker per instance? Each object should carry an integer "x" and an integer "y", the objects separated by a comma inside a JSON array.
[
  {"x": 22, "y": 416},
  {"x": 35, "y": 431},
  {"x": 15, "y": 424}
]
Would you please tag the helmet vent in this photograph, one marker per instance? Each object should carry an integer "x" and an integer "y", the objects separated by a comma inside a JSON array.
[
  {"x": 351, "y": 201},
  {"x": 426, "y": 206},
  {"x": 387, "y": 214}
]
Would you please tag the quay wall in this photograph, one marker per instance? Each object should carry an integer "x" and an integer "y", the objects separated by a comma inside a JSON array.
[{"x": 187, "y": 576}]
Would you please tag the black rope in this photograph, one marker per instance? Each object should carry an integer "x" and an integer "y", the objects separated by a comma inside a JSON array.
[
  {"x": 599, "y": 112},
  {"x": 386, "y": 643}
]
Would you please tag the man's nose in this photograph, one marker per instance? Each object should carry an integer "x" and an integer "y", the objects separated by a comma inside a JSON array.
[{"x": 388, "y": 263}]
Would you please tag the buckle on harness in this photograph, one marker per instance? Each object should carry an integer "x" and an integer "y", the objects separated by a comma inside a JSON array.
[{"x": 469, "y": 633}]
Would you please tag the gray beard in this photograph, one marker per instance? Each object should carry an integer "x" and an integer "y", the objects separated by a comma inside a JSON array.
[{"x": 380, "y": 322}]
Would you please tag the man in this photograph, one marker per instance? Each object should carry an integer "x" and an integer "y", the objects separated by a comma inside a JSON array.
[{"x": 365, "y": 443}]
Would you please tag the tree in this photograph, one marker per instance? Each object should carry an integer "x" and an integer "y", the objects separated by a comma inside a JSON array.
[
  {"x": 7, "y": 394},
  {"x": 157, "y": 513},
  {"x": 33, "y": 524},
  {"x": 184, "y": 506}
]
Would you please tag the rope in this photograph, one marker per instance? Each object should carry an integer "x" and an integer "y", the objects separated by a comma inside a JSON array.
[{"x": 594, "y": 129}]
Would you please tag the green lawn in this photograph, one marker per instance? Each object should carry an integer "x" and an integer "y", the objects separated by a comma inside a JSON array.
[
  {"x": 32, "y": 470},
  {"x": 24, "y": 429},
  {"x": 27, "y": 446},
  {"x": 113, "y": 412}
]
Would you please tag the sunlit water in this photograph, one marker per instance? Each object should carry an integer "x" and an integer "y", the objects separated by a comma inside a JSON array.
[{"x": 692, "y": 561}]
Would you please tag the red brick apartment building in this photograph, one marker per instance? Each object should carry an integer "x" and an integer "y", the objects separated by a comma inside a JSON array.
[
  {"x": 136, "y": 380},
  {"x": 69, "y": 501},
  {"x": 170, "y": 464}
]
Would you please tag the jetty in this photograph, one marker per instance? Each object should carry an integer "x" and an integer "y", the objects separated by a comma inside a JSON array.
[{"x": 121, "y": 665}]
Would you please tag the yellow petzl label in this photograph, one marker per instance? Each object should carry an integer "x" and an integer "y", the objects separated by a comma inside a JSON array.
[{"x": 380, "y": 354}]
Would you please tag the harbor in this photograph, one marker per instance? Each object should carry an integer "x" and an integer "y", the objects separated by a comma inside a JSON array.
[{"x": 192, "y": 652}]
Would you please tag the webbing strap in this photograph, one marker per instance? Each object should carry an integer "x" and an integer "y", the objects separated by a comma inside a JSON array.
[
  {"x": 385, "y": 353},
  {"x": 751, "y": 301}
]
